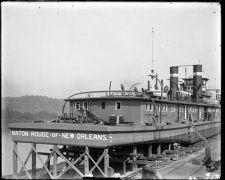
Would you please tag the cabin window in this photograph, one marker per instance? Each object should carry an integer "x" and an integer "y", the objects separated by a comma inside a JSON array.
[
  {"x": 148, "y": 106},
  {"x": 77, "y": 106},
  {"x": 172, "y": 108},
  {"x": 85, "y": 105},
  {"x": 158, "y": 107},
  {"x": 103, "y": 105},
  {"x": 118, "y": 105},
  {"x": 162, "y": 107},
  {"x": 166, "y": 107},
  {"x": 181, "y": 109}
]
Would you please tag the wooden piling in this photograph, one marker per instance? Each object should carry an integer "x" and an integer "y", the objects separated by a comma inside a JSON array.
[
  {"x": 134, "y": 158},
  {"x": 55, "y": 163},
  {"x": 159, "y": 149},
  {"x": 149, "y": 150},
  {"x": 15, "y": 160},
  {"x": 34, "y": 162},
  {"x": 86, "y": 161},
  {"x": 106, "y": 161}
]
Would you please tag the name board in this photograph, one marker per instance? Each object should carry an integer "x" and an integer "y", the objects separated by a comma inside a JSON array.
[{"x": 62, "y": 135}]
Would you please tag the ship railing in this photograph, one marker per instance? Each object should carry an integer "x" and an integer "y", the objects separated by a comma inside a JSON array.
[{"x": 105, "y": 93}]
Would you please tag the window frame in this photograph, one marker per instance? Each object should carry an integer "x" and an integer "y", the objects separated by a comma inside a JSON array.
[
  {"x": 84, "y": 105},
  {"x": 116, "y": 105},
  {"x": 77, "y": 103},
  {"x": 103, "y": 102}
]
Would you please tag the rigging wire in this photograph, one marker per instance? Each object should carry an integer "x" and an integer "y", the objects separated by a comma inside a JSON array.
[{"x": 152, "y": 70}]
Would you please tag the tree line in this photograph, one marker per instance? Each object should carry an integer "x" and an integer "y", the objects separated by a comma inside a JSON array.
[{"x": 42, "y": 115}]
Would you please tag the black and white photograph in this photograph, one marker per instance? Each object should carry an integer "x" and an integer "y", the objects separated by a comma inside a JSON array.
[{"x": 111, "y": 90}]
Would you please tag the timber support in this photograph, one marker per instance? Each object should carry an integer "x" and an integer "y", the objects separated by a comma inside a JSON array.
[
  {"x": 71, "y": 160},
  {"x": 159, "y": 149},
  {"x": 149, "y": 150},
  {"x": 134, "y": 158}
]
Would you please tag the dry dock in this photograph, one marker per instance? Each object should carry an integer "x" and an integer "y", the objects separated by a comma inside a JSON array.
[
  {"x": 191, "y": 166},
  {"x": 180, "y": 169}
]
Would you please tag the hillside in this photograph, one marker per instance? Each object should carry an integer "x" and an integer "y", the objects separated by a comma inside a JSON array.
[
  {"x": 29, "y": 108},
  {"x": 32, "y": 104}
]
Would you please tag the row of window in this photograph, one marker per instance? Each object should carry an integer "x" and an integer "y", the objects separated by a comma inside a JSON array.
[
  {"x": 78, "y": 105},
  {"x": 149, "y": 107},
  {"x": 165, "y": 107},
  {"x": 103, "y": 105}
]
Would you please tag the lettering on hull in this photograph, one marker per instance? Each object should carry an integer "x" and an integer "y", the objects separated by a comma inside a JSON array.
[{"x": 63, "y": 135}]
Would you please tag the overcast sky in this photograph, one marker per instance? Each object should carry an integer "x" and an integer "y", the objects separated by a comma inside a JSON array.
[{"x": 57, "y": 49}]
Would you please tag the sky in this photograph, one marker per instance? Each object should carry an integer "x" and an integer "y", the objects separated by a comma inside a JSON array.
[{"x": 56, "y": 49}]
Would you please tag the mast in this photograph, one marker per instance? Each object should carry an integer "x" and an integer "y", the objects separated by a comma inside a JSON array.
[{"x": 152, "y": 70}]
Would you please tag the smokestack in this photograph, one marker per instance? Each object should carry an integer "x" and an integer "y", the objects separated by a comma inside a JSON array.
[
  {"x": 148, "y": 85},
  {"x": 173, "y": 81},
  {"x": 197, "y": 81}
]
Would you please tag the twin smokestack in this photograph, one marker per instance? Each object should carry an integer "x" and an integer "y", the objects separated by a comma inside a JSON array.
[{"x": 197, "y": 81}]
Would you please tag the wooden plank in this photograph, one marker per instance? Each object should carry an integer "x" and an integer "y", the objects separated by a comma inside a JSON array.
[
  {"x": 47, "y": 163},
  {"x": 55, "y": 163},
  {"x": 27, "y": 158},
  {"x": 34, "y": 162},
  {"x": 99, "y": 160},
  {"x": 106, "y": 161},
  {"x": 15, "y": 160},
  {"x": 66, "y": 168},
  {"x": 86, "y": 161},
  {"x": 97, "y": 166},
  {"x": 24, "y": 167},
  {"x": 70, "y": 164},
  {"x": 49, "y": 173}
]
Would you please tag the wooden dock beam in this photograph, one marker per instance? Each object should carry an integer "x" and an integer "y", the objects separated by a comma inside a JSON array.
[
  {"x": 86, "y": 161},
  {"x": 70, "y": 162},
  {"x": 106, "y": 161},
  {"x": 15, "y": 160},
  {"x": 149, "y": 150},
  {"x": 169, "y": 147},
  {"x": 34, "y": 162},
  {"x": 134, "y": 158},
  {"x": 55, "y": 158},
  {"x": 159, "y": 149}
]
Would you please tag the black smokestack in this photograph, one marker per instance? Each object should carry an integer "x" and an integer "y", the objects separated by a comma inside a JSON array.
[
  {"x": 197, "y": 81},
  {"x": 173, "y": 81}
]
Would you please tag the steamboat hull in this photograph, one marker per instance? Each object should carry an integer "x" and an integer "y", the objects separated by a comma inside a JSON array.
[{"x": 101, "y": 136}]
